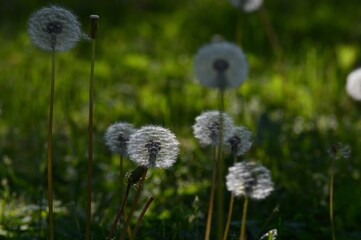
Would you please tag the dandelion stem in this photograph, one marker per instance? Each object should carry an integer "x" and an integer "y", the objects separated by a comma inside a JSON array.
[
  {"x": 134, "y": 204},
  {"x": 211, "y": 197},
  {"x": 220, "y": 163},
  {"x": 90, "y": 131},
  {"x": 120, "y": 212},
  {"x": 50, "y": 148},
  {"x": 140, "y": 218},
  {"x": 270, "y": 32},
  {"x": 121, "y": 188},
  {"x": 244, "y": 216},
  {"x": 331, "y": 199},
  {"x": 230, "y": 210},
  {"x": 231, "y": 201}
]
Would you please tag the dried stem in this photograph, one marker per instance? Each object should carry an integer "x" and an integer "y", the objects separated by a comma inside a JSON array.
[
  {"x": 140, "y": 218},
  {"x": 90, "y": 129},
  {"x": 229, "y": 217},
  {"x": 130, "y": 214}
]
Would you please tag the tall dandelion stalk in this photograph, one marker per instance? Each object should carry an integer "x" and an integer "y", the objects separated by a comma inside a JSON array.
[
  {"x": 207, "y": 130},
  {"x": 93, "y": 32},
  {"x": 250, "y": 180},
  {"x": 53, "y": 29},
  {"x": 220, "y": 65}
]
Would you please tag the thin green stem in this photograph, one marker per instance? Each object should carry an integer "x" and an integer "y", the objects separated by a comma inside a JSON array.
[
  {"x": 50, "y": 148},
  {"x": 90, "y": 141},
  {"x": 211, "y": 197},
  {"x": 244, "y": 216},
  {"x": 134, "y": 204},
  {"x": 229, "y": 217},
  {"x": 220, "y": 167},
  {"x": 140, "y": 218},
  {"x": 230, "y": 210},
  {"x": 331, "y": 199}
]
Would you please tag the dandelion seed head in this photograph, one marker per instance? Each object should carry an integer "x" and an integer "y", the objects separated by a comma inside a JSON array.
[
  {"x": 220, "y": 65},
  {"x": 207, "y": 126},
  {"x": 117, "y": 136},
  {"x": 54, "y": 28},
  {"x": 247, "y": 5},
  {"x": 339, "y": 150},
  {"x": 153, "y": 146},
  {"x": 249, "y": 179},
  {"x": 353, "y": 84},
  {"x": 240, "y": 141}
]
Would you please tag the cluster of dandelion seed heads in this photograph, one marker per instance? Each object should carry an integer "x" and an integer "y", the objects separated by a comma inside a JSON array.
[
  {"x": 220, "y": 65},
  {"x": 249, "y": 179},
  {"x": 153, "y": 146},
  {"x": 240, "y": 141},
  {"x": 117, "y": 136},
  {"x": 247, "y": 5},
  {"x": 208, "y": 125},
  {"x": 54, "y": 28},
  {"x": 353, "y": 84}
]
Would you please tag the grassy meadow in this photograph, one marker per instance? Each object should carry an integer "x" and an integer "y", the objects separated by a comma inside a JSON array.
[{"x": 294, "y": 102}]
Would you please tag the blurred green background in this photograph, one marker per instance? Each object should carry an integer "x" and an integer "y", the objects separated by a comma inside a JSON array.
[{"x": 294, "y": 102}]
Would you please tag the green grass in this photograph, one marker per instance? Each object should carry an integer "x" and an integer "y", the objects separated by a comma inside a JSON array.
[{"x": 143, "y": 75}]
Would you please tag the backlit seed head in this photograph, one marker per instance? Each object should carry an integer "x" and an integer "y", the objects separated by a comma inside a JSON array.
[
  {"x": 208, "y": 125},
  {"x": 247, "y": 5},
  {"x": 54, "y": 28},
  {"x": 117, "y": 136},
  {"x": 353, "y": 84},
  {"x": 249, "y": 179},
  {"x": 240, "y": 141},
  {"x": 220, "y": 65},
  {"x": 153, "y": 146}
]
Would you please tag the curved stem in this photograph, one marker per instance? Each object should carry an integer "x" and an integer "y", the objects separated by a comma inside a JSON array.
[
  {"x": 121, "y": 178},
  {"x": 50, "y": 148},
  {"x": 244, "y": 216},
  {"x": 211, "y": 197},
  {"x": 135, "y": 201},
  {"x": 140, "y": 218}
]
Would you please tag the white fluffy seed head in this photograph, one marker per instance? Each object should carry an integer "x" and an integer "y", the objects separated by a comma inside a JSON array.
[
  {"x": 54, "y": 28},
  {"x": 220, "y": 65},
  {"x": 117, "y": 136},
  {"x": 207, "y": 126},
  {"x": 353, "y": 84},
  {"x": 249, "y": 179},
  {"x": 247, "y": 5},
  {"x": 240, "y": 141},
  {"x": 153, "y": 146}
]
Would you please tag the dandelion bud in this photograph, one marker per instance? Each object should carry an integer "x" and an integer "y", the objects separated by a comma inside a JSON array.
[
  {"x": 153, "y": 146},
  {"x": 54, "y": 28},
  {"x": 220, "y": 65},
  {"x": 207, "y": 127},
  {"x": 249, "y": 179},
  {"x": 117, "y": 136}
]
